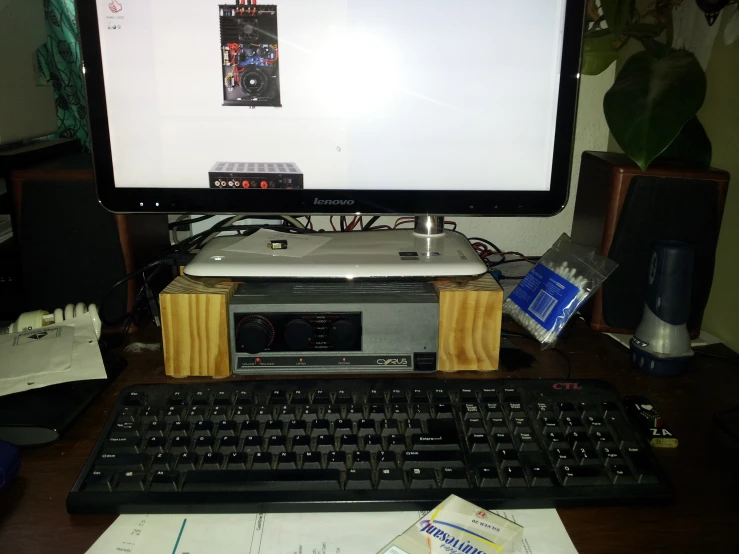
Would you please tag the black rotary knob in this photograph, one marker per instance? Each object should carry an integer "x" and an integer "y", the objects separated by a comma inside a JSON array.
[
  {"x": 342, "y": 334},
  {"x": 254, "y": 334},
  {"x": 298, "y": 334}
]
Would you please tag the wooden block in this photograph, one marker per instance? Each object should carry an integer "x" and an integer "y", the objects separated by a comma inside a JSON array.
[
  {"x": 195, "y": 335},
  {"x": 470, "y": 313}
]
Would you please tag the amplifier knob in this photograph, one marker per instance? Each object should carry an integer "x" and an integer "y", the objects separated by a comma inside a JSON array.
[
  {"x": 298, "y": 334},
  {"x": 254, "y": 333},
  {"x": 342, "y": 334}
]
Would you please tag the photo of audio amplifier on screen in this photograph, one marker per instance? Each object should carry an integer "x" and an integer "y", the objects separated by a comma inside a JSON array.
[
  {"x": 250, "y": 55},
  {"x": 259, "y": 176}
]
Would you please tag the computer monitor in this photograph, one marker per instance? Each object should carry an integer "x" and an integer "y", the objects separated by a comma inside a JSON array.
[{"x": 332, "y": 106}]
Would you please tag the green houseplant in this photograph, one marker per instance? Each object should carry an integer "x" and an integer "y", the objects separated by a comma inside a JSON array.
[{"x": 651, "y": 107}]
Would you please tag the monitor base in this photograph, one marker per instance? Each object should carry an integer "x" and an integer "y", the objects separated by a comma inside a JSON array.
[{"x": 356, "y": 254}]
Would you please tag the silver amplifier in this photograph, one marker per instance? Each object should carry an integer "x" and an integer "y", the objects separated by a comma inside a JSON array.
[{"x": 333, "y": 327}]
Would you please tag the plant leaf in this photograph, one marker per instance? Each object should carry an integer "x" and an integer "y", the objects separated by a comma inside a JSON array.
[
  {"x": 691, "y": 145},
  {"x": 617, "y": 14},
  {"x": 651, "y": 100},
  {"x": 598, "y": 53}
]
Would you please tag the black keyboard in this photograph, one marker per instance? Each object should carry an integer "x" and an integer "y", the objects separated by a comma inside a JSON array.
[{"x": 366, "y": 444}]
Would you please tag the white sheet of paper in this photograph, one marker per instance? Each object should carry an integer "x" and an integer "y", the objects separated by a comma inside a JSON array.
[
  {"x": 49, "y": 356},
  {"x": 320, "y": 533},
  {"x": 298, "y": 245}
]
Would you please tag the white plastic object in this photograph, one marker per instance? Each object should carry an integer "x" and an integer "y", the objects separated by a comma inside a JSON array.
[{"x": 36, "y": 319}]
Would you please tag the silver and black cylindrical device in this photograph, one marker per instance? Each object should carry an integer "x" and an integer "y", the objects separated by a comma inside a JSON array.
[{"x": 661, "y": 343}]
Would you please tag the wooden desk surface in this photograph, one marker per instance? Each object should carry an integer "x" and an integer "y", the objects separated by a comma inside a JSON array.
[{"x": 704, "y": 469}]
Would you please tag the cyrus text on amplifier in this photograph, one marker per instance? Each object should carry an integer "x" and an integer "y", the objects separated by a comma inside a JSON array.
[
  {"x": 303, "y": 327},
  {"x": 255, "y": 175}
]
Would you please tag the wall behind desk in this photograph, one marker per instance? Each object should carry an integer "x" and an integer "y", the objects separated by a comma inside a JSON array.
[{"x": 720, "y": 117}]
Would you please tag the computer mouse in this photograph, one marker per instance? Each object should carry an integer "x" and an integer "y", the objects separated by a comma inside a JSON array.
[{"x": 10, "y": 463}]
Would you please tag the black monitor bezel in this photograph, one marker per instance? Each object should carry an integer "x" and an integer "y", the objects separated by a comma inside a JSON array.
[{"x": 419, "y": 202}]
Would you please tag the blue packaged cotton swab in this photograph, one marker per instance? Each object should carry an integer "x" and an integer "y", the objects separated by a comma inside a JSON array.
[{"x": 556, "y": 287}]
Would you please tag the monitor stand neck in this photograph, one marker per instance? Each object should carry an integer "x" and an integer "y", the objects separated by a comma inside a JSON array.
[{"x": 428, "y": 226}]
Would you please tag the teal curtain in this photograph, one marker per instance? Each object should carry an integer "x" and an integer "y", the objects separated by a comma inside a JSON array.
[{"x": 60, "y": 60}]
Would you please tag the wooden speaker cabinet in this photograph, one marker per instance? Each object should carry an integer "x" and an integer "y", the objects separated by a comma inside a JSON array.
[
  {"x": 196, "y": 339},
  {"x": 622, "y": 211}
]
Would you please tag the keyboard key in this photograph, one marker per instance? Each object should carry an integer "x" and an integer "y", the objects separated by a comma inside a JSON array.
[
  {"x": 488, "y": 395},
  {"x": 278, "y": 397},
  {"x": 227, "y": 428},
  {"x": 244, "y": 397},
  {"x": 514, "y": 409},
  {"x": 163, "y": 462},
  {"x": 164, "y": 481},
  {"x": 320, "y": 427},
  {"x": 514, "y": 477},
  {"x": 99, "y": 481},
  {"x": 602, "y": 439},
  {"x": 377, "y": 412},
  {"x": 507, "y": 458},
  {"x": 219, "y": 413},
  {"x": 643, "y": 470},
  {"x": 273, "y": 428},
  {"x": 454, "y": 478},
  {"x": 593, "y": 424},
  {"x": 492, "y": 409},
  {"x": 366, "y": 427},
  {"x": 443, "y": 411},
  {"x": 577, "y": 439},
  {"x": 212, "y": 460},
  {"x": 228, "y": 444},
  {"x": 332, "y": 414},
  {"x": 583, "y": 476},
  {"x": 198, "y": 413},
  {"x": 122, "y": 445},
  {"x": 241, "y": 413},
  {"x": 396, "y": 443},
  {"x": 349, "y": 443},
  {"x": 475, "y": 425},
  {"x": 611, "y": 456},
  {"x": 391, "y": 427},
  {"x": 541, "y": 477},
  {"x": 413, "y": 426},
  {"x": 343, "y": 427},
  {"x": 155, "y": 445},
  {"x": 502, "y": 441},
  {"x": 361, "y": 460},
  {"x": 432, "y": 459},
  {"x": 421, "y": 478},
  {"x": 127, "y": 429},
  {"x": 358, "y": 479},
  {"x": 312, "y": 460},
  {"x": 487, "y": 477},
  {"x": 300, "y": 397},
  {"x": 287, "y": 460},
  {"x": 521, "y": 425},
  {"x": 156, "y": 429},
  {"x": 203, "y": 429},
  {"x": 419, "y": 411},
  {"x": 566, "y": 409},
  {"x": 223, "y": 398},
  {"x": 525, "y": 442},
  {"x": 498, "y": 425},
  {"x": 441, "y": 441},
  {"x": 301, "y": 444},
  {"x": 467, "y": 395},
  {"x": 373, "y": 443},
  {"x": 586, "y": 456},
  {"x": 325, "y": 443},
  {"x": 178, "y": 398},
  {"x": 268, "y": 480},
  {"x": 130, "y": 462},
  {"x": 336, "y": 460},
  {"x": 252, "y": 444},
  {"x": 174, "y": 414},
  {"x": 620, "y": 474},
  {"x": 386, "y": 459},
  {"x": 621, "y": 430},
  {"x": 130, "y": 482},
  {"x": 204, "y": 444},
  {"x": 187, "y": 461},
  {"x": 180, "y": 429},
  {"x": 390, "y": 479},
  {"x": 470, "y": 411},
  {"x": 297, "y": 427},
  {"x": 555, "y": 439},
  {"x": 263, "y": 414},
  {"x": 573, "y": 424},
  {"x": 419, "y": 395},
  {"x": 355, "y": 412},
  {"x": 478, "y": 442},
  {"x": 261, "y": 461},
  {"x": 237, "y": 460},
  {"x": 288, "y": 413},
  {"x": 609, "y": 409},
  {"x": 276, "y": 444},
  {"x": 201, "y": 398},
  {"x": 562, "y": 457}
]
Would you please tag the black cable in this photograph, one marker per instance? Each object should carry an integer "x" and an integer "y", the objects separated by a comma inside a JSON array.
[
  {"x": 186, "y": 222},
  {"x": 371, "y": 222},
  {"x": 342, "y": 224},
  {"x": 557, "y": 350},
  {"x": 516, "y": 261}
]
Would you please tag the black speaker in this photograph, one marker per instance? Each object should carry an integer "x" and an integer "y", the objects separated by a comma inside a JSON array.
[
  {"x": 623, "y": 211},
  {"x": 71, "y": 249}
]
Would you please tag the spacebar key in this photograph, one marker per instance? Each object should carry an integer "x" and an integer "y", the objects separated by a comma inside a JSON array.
[{"x": 271, "y": 480}]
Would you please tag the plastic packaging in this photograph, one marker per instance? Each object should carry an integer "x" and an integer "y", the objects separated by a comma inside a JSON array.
[
  {"x": 458, "y": 527},
  {"x": 555, "y": 288}
]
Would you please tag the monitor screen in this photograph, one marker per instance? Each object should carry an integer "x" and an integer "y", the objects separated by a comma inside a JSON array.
[{"x": 363, "y": 99}]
